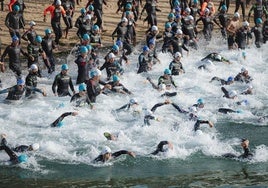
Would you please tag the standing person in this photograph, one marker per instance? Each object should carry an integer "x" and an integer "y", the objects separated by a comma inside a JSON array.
[
  {"x": 93, "y": 86},
  {"x": 243, "y": 34},
  {"x": 167, "y": 79},
  {"x": 13, "y": 51},
  {"x": 178, "y": 43},
  {"x": 241, "y": 3},
  {"x": 259, "y": 10},
  {"x": 257, "y": 30},
  {"x": 14, "y": 22},
  {"x": 231, "y": 29},
  {"x": 176, "y": 66},
  {"x": 30, "y": 34},
  {"x": 98, "y": 12},
  {"x": 81, "y": 62},
  {"x": 56, "y": 11},
  {"x": 145, "y": 63},
  {"x": 112, "y": 66},
  {"x": 223, "y": 19},
  {"x": 48, "y": 45},
  {"x": 68, "y": 6},
  {"x": 15, "y": 92},
  {"x": 79, "y": 22},
  {"x": 80, "y": 99},
  {"x": 63, "y": 81},
  {"x": 31, "y": 80},
  {"x": 150, "y": 7}
]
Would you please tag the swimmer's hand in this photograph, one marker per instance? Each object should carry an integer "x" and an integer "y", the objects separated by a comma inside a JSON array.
[
  {"x": 132, "y": 154},
  {"x": 210, "y": 124},
  {"x": 74, "y": 113}
]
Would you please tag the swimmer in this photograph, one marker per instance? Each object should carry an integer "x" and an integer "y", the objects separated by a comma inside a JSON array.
[
  {"x": 160, "y": 147},
  {"x": 246, "y": 155},
  {"x": 106, "y": 154},
  {"x": 58, "y": 122}
]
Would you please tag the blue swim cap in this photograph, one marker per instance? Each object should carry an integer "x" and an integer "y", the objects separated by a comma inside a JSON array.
[
  {"x": 167, "y": 25},
  {"x": 230, "y": 78},
  {"x": 145, "y": 48},
  {"x": 82, "y": 87},
  {"x": 20, "y": 82},
  {"x": 195, "y": 1},
  {"x": 115, "y": 78},
  {"x": 95, "y": 28},
  {"x": 91, "y": 7},
  {"x": 48, "y": 31},
  {"x": 167, "y": 71},
  {"x": 86, "y": 37},
  {"x": 64, "y": 67},
  {"x": 171, "y": 15},
  {"x": 23, "y": 158},
  {"x": 83, "y": 49},
  {"x": 128, "y": 6},
  {"x": 258, "y": 21},
  {"x": 176, "y": 3},
  {"x": 128, "y": 13},
  {"x": 177, "y": 9},
  {"x": 83, "y": 10},
  {"x": 60, "y": 124},
  {"x": 152, "y": 41},
  {"x": 115, "y": 47},
  {"x": 119, "y": 43},
  {"x": 38, "y": 39},
  {"x": 16, "y": 8},
  {"x": 89, "y": 47},
  {"x": 239, "y": 111},
  {"x": 224, "y": 7},
  {"x": 200, "y": 101},
  {"x": 15, "y": 38}
]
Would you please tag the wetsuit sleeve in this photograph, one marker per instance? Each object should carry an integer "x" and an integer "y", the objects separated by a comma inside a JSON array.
[
  {"x": 3, "y": 142},
  {"x": 98, "y": 159},
  {"x": 21, "y": 148},
  {"x": 226, "y": 94},
  {"x": 71, "y": 84},
  {"x": 172, "y": 81},
  {"x": 5, "y": 53},
  {"x": 4, "y": 91},
  {"x": 208, "y": 56},
  {"x": 104, "y": 65},
  {"x": 34, "y": 89},
  {"x": 198, "y": 123},
  {"x": 118, "y": 153},
  {"x": 55, "y": 123},
  {"x": 160, "y": 147},
  {"x": 226, "y": 110},
  {"x": 126, "y": 90},
  {"x": 156, "y": 106},
  {"x": 122, "y": 108},
  {"x": 13, "y": 157},
  {"x": 55, "y": 83},
  {"x": 62, "y": 11},
  {"x": 147, "y": 118},
  {"x": 179, "y": 109}
]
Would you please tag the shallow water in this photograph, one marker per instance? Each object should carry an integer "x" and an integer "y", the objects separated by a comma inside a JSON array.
[{"x": 65, "y": 155}]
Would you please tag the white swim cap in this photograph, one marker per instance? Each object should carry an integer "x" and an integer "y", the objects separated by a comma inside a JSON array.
[
  {"x": 237, "y": 15},
  {"x": 179, "y": 32},
  {"x": 148, "y": 112},
  {"x": 111, "y": 56},
  {"x": 177, "y": 54},
  {"x": 232, "y": 93},
  {"x": 124, "y": 19},
  {"x": 133, "y": 101},
  {"x": 35, "y": 146},
  {"x": 105, "y": 150},
  {"x": 162, "y": 86},
  {"x": 245, "y": 24},
  {"x": 154, "y": 28},
  {"x": 34, "y": 67},
  {"x": 32, "y": 23},
  {"x": 58, "y": 2}
]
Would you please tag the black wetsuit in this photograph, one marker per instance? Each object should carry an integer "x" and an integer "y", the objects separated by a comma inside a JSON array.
[
  {"x": 241, "y": 78},
  {"x": 192, "y": 116},
  {"x": 265, "y": 31},
  {"x": 31, "y": 81},
  {"x": 48, "y": 44},
  {"x": 14, "y": 22},
  {"x": 226, "y": 110},
  {"x": 11, "y": 154},
  {"x": 167, "y": 81},
  {"x": 198, "y": 123},
  {"x": 246, "y": 155},
  {"x": 59, "y": 119},
  {"x": 114, "y": 155},
  {"x": 242, "y": 36},
  {"x": 151, "y": 13},
  {"x": 15, "y": 94},
  {"x": 144, "y": 63},
  {"x": 93, "y": 89},
  {"x": 258, "y": 35},
  {"x": 223, "y": 19},
  {"x": 79, "y": 100},
  {"x": 125, "y": 107},
  {"x": 98, "y": 11},
  {"x": 160, "y": 147},
  {"x": 223, "y": 82},
  {"x": 21, "y": 148},
  {"x": 69, "y": 8},
  {"x": 147, "y": 118},
  {"x": 79, "y": 24},
  {"x": 258, "y": 10},
  {"x": 178, "y": 44},
  {"x": 189, "y": 29},
  {"x": 176, "y": 68},
  {"x": 13, "y": 53},
  {"x": 29, "y": 35},
  {"x": 118, "y": 87},
  {"x": 62, "y": 82},
  {"x": 112, "y": 68},
  {"x": 122, "y": 33},
  {"x": 82, "y": 69}
]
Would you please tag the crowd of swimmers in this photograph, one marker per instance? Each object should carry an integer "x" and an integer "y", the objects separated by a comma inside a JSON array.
[{"x": 180, "y": 33}]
